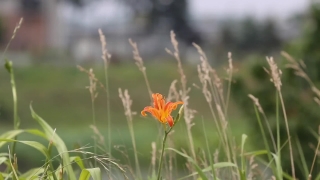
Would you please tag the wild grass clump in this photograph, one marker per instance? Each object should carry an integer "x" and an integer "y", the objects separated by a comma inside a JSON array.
[{"x": 227, "y": 158}]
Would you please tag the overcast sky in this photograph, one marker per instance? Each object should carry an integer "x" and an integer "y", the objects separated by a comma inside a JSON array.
[{"x": 236, "y": 8}]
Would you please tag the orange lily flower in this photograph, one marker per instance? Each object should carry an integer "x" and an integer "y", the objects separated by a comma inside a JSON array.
[{"x": 161, "y": 110}]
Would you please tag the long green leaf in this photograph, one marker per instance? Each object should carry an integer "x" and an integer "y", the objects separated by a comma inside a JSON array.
[
  {"x": 256, "y": 153},
  {"x": 33, "y": 144},
  {"x": 199, "y": 170},
  {"x": 58, "y": 142},
  {"x": 208, "y": 169},
  {"x": 243, "y": 161},
  {"x": 10, "y": 135},
  {"x": 95, "y": 173},
  {"x": 32, "y": 174},
  {"x": 3, "y": 159},
  {"x": 278, "y": 166},
  {"x": 1, "y": 177},
  {"x": 13, "y": 133},
  {"x": 78, "y": 160}
]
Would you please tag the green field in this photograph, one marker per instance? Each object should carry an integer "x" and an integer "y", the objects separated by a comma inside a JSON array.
[{"x": 59, "y": 96}]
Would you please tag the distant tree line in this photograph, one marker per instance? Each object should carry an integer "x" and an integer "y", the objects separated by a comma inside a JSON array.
[{"x": 250, "y": 36}]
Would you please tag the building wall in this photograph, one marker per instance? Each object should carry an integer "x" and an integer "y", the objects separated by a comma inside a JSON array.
[{"x": 32, "y": 34}]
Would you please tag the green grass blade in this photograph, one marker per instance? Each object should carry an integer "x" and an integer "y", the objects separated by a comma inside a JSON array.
[
  {"x": 279, "y": 172},
  {"x": 33, "y": 144},
  {"x": 16, "y": 120},
  {"x": 209, "y": 153},
  {"x": 208, "y": 169},
  {"x": 95, "y": 173},
  {"x": 9, "y": 135},
  {"x": 198, "y": 169},
  {"x": 31, "y": 174},
  {"x": 1, "y": 177},
  {"x": 243, "y": 160},
  {"x": 3, "y": 159},
  {"x": 318, "y": 177},
  {"x": 303, "y": 159},
  {"x": 77, "y": 160},
  {"x": 13, "y": 133},
  {"x": 58, "y": 142},
  {"x": 256, "y": 153},
  {"x": 13, "y": 172}
]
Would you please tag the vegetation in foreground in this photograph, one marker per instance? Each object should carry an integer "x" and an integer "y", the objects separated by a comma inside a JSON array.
[{"x": 226, "y": 159}]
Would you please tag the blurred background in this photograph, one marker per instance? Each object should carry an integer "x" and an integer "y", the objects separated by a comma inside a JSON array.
[{"x": 57, "y": 35}]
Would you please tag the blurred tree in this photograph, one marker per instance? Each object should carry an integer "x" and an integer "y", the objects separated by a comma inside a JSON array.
[
  {"x": 310, "y": 41},
  {"x": 270, "y": 39},
  {"x": 227, "y": 37},
  {"x": 249, "y": 35},
  {"x": 170, "y": 13},
  {"x": 302, "y": 112}
]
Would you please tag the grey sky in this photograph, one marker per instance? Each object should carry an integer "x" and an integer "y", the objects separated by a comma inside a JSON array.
[{"x": 236, "y": 8}]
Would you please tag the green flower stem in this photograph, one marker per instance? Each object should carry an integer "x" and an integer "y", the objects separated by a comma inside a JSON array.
[
  {"x": 176, "y": 120},
  {"x": 162, "y": 151},
  {"x": 16, "y": 121}
]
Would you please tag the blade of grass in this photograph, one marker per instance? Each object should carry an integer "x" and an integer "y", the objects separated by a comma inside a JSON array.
[
  {"x": 95, "y": 173},
  {"x": 14, "y": 173},
  {"x": 208, "y": 149},
  {"x": 279, "y": 172},
  {"x": 208, "y": 169},
  {"x": 243, "y": 161},
  {"x": 32, "y": 173},
  {"x": 33, "y": 144},
  {"x": 302, "y": 159},
  {"x": 198, "y": 169},
  {"x": 16, "y": 121},
  {"x": 58, "y": 142}
]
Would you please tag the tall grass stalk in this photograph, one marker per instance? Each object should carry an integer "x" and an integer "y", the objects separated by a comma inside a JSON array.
[
  {"x": 127, "y": 102},
  {"x": 139, "y": 63},
  {"x": 212, "y": 89},
  {"x": 93, "y": 95},
  {"x": 275, "y": 74},
  {"x": 258, "y": 108},
  {"x": 298, "y": 68},
  {"x": 230, "y": 74},
  {"x": 302, "y": 164},
  {"x": 315, "y": 156},
  {"x": 166, "y": 133},
  {"x": 106, "y": 60},
  {"x": 209, "y": 151},
  {"x": 188, "y": 113},
  {"x": 9, "y": 67}
]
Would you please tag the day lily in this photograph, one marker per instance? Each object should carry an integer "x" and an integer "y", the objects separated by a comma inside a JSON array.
[{"x": 161, "y": 109}]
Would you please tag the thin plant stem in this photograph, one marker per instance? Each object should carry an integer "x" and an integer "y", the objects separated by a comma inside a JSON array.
[
  {"x": 315, "y": 157},
  {"x": 108, "y": 105},
  {"x": 94, "y": 123},
  {"x": 106, "y": 57},
  {"x": 176, "y": 120},
  {"x": 289, "y": 137},
  {"x": 127, "y": 102},
  {"x": 209, "y": 153},
  {"x": 16, "y": 121},
  {"x": 134, "y": 148},
  {"x": 228, "y": 94},
  {"x": 278, "y": 127},
  {"x": 161, "y": 156},
  {"x": 8, "y": 66}
]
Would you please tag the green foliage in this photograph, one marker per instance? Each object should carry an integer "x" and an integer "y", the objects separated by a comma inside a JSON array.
[{"x": 298, "y": 98}]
